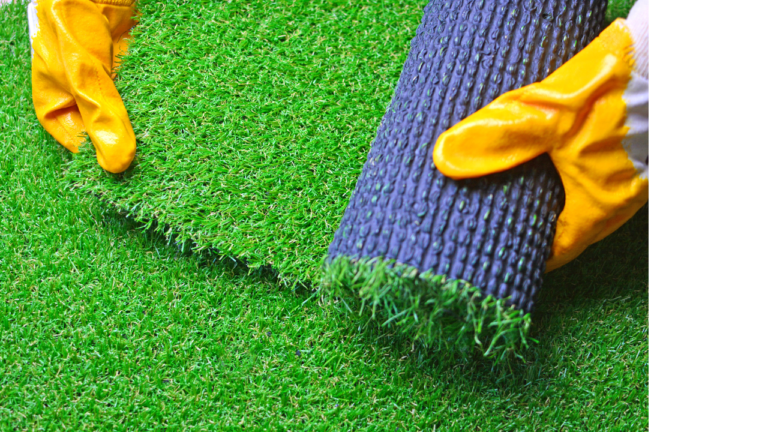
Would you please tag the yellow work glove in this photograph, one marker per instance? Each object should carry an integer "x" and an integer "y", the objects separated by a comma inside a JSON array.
[
  {"x": 74, "y": 52},
  {"x": 590, "y": 116}
]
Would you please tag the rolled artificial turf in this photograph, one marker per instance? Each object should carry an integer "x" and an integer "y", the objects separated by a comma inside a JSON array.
[{"x": 493, "y": 234}]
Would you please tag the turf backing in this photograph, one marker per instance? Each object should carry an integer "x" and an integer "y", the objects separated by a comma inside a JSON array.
[
  {"x": 106, "y": 326},
  {"x": 254, "y": 119}
]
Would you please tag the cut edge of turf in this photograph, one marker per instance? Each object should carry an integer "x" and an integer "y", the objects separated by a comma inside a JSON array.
[
  {"x": 181, "y": 235},
  {"x": 430, "y": 310},
  {"x": 152, "y": 223}
]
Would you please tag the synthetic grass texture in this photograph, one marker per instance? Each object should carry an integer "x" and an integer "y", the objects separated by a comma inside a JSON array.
[
  {"x": 106, "y": 326},
  {"x": 429, "y": 310},
  {"x": 254, "y": 119}
]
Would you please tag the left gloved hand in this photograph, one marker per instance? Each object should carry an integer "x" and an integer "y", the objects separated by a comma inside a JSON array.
[
  {"x": 591, "y": 116},
  {"x": 74, "y": 49}
]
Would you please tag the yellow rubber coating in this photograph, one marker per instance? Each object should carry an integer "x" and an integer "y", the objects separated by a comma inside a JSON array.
[{"x": 75, "y": 55}]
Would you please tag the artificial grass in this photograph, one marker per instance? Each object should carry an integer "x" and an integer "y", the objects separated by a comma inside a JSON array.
[
  {"x": 106, "y": 326},
  {"x": 432, "y": 311},
  {"x": 254, "y": 119}
]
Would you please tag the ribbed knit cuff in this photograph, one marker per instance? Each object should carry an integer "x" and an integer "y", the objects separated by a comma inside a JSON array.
[{"x": 637, "y": 21}]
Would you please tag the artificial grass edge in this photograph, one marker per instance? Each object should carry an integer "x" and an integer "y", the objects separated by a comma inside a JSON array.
[
  {"x": 428, "y": 309},
  {"x": 152, "y": 222}
]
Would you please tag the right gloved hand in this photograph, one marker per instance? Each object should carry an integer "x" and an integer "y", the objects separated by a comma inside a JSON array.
[
  {"x": 590, "y": 116},
  {"x": 74, "y": 49}
]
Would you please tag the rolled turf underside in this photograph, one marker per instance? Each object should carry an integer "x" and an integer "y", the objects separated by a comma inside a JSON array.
[{"x": 450, "y": 261}]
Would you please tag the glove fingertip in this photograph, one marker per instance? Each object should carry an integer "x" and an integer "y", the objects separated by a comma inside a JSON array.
[
  {"x": 117, "y": 162},
  {"x": 114, "y": 153}
]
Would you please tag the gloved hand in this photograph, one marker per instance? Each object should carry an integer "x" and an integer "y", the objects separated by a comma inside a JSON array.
[
  {"x": 74, "y": 52},
  {"x": 591, "y": 116}
]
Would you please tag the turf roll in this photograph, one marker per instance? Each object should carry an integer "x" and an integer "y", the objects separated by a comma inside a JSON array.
[{"x": 457, "y": 262}]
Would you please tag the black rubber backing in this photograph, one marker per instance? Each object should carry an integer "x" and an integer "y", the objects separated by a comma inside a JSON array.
[{"x": 494, "y": 232}]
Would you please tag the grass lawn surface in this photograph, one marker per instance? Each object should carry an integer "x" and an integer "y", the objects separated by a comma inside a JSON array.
[{"x": 252, "y": 122}]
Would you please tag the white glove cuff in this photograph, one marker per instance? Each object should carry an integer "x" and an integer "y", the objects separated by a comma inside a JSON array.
[
  {"x": 637, "y": 21},
  {"x": 34, "y": 24}
]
